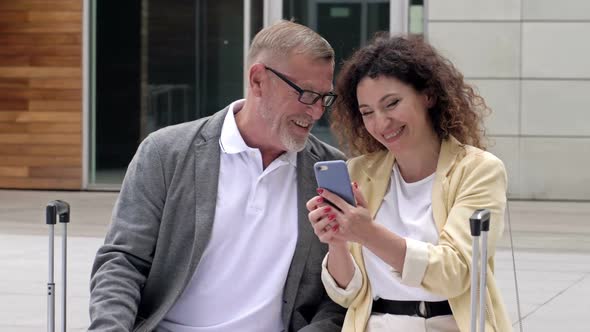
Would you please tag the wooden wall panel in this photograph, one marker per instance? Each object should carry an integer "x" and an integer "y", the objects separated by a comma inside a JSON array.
[
  {"x": 14, "y": 171},
  {"x": 65, "y": 39},
  {"x": 41, "y": 94},
  {"x": 42, "y": 5},
  {"x": 13, "y": 82},
  {"x": 40, "y": 150},
  {"x": 29, "y": 116}
]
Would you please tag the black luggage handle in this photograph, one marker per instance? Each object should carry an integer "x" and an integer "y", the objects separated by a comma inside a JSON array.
[{"x": 55, "y": 208}]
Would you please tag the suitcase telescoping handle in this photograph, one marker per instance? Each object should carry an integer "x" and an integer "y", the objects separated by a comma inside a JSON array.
[
  {"x": 57, "y": 209},
  {"x": 480, "y": 225}
]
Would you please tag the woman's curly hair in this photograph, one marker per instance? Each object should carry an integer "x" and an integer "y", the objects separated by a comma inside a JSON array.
[{"x": 458, "y": 108}]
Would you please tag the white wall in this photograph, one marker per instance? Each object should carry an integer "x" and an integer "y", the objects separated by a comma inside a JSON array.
[{"x": 530, "y": 59}]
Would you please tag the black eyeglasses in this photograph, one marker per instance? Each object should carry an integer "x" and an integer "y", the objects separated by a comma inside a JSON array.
[{"x": 307, "y": 97}]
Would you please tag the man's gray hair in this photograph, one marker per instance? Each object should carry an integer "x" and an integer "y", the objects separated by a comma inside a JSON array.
[{"x": 285, "y": 38}]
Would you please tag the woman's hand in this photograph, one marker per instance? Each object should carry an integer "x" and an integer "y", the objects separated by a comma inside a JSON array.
[
  {"x": 356, "y": 225},
  {"x": 322, "y": 218},
  {"x": 354, "y": 222}
]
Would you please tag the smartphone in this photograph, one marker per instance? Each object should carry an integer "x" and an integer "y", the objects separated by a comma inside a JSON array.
[{"x": 333, "y": 176}]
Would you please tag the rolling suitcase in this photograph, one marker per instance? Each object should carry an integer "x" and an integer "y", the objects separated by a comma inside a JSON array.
[
  {"x": 480, "y": 225},
  {"x": 54, "y": 210}
]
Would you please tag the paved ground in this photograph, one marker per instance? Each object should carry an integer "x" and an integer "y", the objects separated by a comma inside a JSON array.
[{"x": 552, "y": 250}]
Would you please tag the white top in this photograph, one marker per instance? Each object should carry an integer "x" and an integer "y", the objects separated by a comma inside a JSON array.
[
  {"x": 406, "y": 210},
  {"x": 238, "y": 284}
]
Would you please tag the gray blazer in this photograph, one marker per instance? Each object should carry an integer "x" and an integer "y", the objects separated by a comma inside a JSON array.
[{"x": 162, "y": 222}]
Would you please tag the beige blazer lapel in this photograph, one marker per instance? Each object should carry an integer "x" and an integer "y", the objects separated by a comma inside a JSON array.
[
  {"x": 449, "y": 150},
  {"x": 376, "y": 182}
]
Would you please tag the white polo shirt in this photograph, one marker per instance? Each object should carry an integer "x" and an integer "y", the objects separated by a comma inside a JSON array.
[{"x": 238, "y": 284}]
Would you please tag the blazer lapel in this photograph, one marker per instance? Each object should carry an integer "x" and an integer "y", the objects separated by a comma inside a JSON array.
[
  {"x": 306, "y": 186},
  {"x": 206, "y": 176},
  {"x": 378, "y": 174},
  {"x": 449, "y": 150}
]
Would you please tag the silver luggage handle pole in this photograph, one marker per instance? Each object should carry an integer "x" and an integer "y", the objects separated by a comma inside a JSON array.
[
  {"x": 485, "y": 227},
  {"x": 480, "y": 224},
  {"x": 64, "y": 218},
  {"x": 50, "y": 220},
  {"x": 475, "y": 233},
  {"x": 53, "y": 209}
]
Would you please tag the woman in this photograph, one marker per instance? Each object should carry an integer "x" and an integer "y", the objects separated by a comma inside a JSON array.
[{"x": 400, "y": 259}]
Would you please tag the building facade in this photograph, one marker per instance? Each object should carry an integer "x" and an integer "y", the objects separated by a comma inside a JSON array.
[
  {"x": 530, "y": 59},
  {"x": 83, "y": 82}
]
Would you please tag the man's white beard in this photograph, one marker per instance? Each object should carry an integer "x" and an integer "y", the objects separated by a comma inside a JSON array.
[{"x": 290, "y": 143}]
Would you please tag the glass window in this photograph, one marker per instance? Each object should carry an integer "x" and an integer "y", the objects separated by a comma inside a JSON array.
[
  {"x": 256, "y": 20},
  {"x": 116, "y": 88},
  {"x": 416, "y": 17},
  {"x": 157, "y": 63}
]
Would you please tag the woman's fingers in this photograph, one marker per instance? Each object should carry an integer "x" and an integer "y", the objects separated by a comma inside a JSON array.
[
  {"x": 326, "y": 220},
  {"x": 334, "y": 199},
  {"x": 322, "y": 218},
  {"x": 316, "y": 214},
  {"x": 358, "y": 195},
  {"x": 331, "y": 233},
  {"x": 328, "y": 236},
  {"x": 314, "y": 203}
]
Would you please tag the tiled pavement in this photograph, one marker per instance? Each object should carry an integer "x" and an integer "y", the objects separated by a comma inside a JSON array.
[{"x": 552, "y": 250}]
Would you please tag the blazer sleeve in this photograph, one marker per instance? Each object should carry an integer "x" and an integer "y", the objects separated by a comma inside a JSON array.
[
  {"x": 445, "y": 268},
  {"x": 342, "y": 296},
  {"x": 122, "y": 264}
]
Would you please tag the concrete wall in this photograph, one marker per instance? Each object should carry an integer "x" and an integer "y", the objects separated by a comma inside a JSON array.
[{"x": 530, "y": 59}]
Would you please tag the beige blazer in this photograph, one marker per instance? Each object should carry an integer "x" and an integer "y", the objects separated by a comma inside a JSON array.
[{"x": 466, "y": 179}]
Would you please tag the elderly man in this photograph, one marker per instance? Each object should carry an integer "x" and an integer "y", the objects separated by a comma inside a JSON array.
[{"x": 210, "y": 230}]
